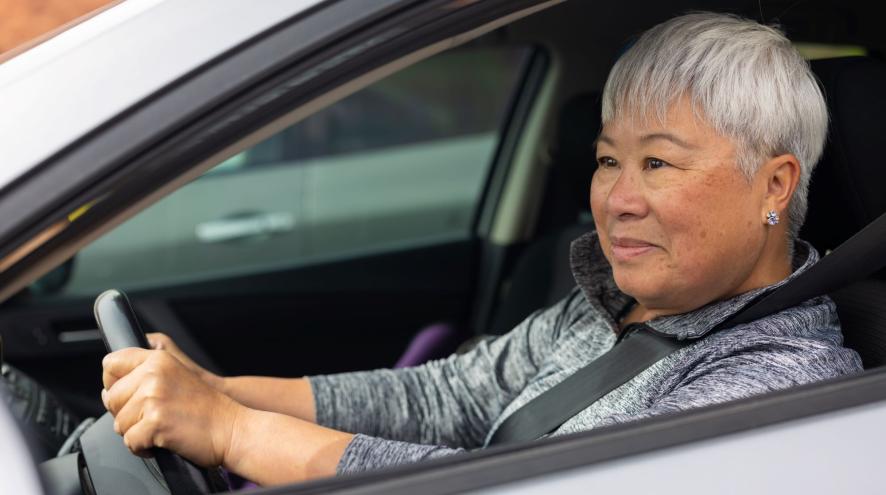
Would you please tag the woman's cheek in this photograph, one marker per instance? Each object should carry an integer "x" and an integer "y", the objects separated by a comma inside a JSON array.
[{"x": 600, "y": 184}]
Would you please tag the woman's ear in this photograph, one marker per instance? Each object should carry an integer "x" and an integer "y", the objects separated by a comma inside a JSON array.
[{"x": 782, "y": 174}]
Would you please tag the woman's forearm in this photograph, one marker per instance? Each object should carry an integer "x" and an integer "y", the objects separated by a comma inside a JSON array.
[
  {"x": 289, "y": 396},
  {"x": 272, "y": 448}
]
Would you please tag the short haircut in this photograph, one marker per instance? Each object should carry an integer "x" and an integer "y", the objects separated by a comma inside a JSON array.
[{"x": 744, "y": 79}]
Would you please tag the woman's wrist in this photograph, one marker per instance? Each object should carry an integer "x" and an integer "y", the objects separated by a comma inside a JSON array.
[
  {"x": 238, "y": 442},
  {"x": 271, "y": 448},
  {"x": 215, "y": 381},
  {"x": 289, "y": 396}
]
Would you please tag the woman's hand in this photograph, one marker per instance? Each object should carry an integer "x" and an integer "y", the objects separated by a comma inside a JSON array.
[
  {"x": 161, "y": 341},
  {"x": 290, "y": 396},
  {"x": 159, "y": 401}
]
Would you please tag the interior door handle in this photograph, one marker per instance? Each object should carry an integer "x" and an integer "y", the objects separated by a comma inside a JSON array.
[
  {"x": 245, "y": 226},
  {"x": 71, "y": 336}
]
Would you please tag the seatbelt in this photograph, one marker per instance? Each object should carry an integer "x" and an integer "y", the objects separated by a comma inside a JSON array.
[
  {"x": 640, "y": 347},
  {"x": 636, "y": 351}
]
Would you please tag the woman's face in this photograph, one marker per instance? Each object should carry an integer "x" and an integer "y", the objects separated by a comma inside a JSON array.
[{"x": 677, "y": 220}]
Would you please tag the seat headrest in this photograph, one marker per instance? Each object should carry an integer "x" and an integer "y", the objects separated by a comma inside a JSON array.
[
  {"x": 578, "y": 126},
  {"x": 573, "y": 163},
  {"x": 848, "y": 187}
]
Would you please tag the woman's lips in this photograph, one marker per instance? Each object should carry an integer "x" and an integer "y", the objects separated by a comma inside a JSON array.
[{"x": 626, "y": 248}]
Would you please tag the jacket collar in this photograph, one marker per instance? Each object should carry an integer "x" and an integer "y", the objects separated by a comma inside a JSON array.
[{"x": 593, "y": 274}]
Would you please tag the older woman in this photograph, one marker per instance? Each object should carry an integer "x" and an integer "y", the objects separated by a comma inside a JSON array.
[{"x": 712, "y": 125}]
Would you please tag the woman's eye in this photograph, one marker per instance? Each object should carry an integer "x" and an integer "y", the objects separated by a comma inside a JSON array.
[
  {"x": 606, "y": 161},
  {"x": 654, "y": 163}
]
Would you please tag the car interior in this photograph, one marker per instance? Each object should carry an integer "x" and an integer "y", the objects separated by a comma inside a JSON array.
[{"x": 408, "y": 299}]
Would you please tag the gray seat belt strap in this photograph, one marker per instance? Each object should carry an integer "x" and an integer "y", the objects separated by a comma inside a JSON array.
[{"x": 636, "y": 351}]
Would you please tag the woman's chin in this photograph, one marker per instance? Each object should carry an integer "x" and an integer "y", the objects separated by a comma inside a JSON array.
[{"x": 640, "y": 286}]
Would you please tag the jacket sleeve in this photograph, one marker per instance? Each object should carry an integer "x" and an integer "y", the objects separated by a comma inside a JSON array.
[
  {"x": 366, "y": 453},
  {"x": 449, "y": 403}
]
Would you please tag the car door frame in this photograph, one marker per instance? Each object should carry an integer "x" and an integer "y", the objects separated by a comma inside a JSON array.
[{"x": 52, "y": 190}]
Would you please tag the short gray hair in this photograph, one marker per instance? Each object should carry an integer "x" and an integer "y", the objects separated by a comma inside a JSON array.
[{"x": 744, "y": 79}]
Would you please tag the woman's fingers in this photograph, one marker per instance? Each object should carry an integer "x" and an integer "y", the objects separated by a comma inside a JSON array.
[
  {"x": 158, "y": 340},
  {"x": 160, "y": 402},
  {"x": 122, "y": 391},
  {"x": 143, "y": 381},
  {"x": 120, "y": 363},
  {"x": 141, "y": 437},
  {"x": 127, "y": 417}
]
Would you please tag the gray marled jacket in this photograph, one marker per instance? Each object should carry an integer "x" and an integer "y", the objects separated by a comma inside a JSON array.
[{"x": 456, "y": 403}]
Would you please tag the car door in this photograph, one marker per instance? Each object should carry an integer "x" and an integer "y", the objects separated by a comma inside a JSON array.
[{"x": 324, "y": 247}]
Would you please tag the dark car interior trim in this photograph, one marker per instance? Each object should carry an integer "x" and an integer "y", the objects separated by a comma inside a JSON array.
[
  {"x": 514, "y": 124},
  {"x": 493, "y": 256}
]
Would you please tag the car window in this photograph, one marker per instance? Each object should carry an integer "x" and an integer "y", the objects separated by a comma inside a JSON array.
[{"x": 402, "y": 162}]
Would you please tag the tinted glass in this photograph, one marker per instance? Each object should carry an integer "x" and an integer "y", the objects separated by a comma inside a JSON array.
[{"x": 400, "y": 163}]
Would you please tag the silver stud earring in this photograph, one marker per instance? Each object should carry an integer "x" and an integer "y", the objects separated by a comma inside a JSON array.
[{"x": 772, "y": 217}]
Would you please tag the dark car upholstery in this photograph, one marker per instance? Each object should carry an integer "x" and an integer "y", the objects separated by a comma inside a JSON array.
[
  {"x": 542, "y": 275},
  {"x": 848, "y": 190}
]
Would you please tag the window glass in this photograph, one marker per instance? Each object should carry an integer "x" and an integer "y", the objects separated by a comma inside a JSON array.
[{"x": 402, "y": 162}]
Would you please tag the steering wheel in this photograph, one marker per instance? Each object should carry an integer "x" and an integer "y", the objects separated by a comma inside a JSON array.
[{"x": 106, "y": 464}]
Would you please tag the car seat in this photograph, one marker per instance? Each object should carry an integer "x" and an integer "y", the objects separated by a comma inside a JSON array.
[{"x": 847, "y": 190}]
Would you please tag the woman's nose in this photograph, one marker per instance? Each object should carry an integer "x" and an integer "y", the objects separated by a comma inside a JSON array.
[{"x": 626, "y": 198}]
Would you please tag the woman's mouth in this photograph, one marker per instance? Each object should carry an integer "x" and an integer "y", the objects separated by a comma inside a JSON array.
[{"x": 626, "y": 248}]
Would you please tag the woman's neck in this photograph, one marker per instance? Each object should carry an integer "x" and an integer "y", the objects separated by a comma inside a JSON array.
[{"x": 637, "y": 314}]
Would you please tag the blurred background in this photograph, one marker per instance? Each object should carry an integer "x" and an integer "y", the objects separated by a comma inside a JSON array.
[{"x": 22, "y": 21}]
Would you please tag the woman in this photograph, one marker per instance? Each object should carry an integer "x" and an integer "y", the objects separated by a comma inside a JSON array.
[{"x": 711, "y": 127}]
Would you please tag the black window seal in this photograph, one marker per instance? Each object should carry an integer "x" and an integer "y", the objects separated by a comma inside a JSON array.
[
  {"x": 492, "y": 257},
  {"x": 510, "y": 134}
]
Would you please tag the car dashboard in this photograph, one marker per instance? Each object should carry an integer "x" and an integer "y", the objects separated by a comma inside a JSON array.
[{"x": 54, "y": 426}]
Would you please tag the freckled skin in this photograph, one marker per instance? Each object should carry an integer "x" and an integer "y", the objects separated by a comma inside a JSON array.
[{"x": 705, "y": 218}]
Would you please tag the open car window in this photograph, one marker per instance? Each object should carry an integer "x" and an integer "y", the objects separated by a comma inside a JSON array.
[{"x": 400, "y": 163}]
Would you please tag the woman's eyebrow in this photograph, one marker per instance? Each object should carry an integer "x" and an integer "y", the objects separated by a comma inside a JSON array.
[
  {"x": 603, "y": 138},
  {"x": 668, "y": 137}
]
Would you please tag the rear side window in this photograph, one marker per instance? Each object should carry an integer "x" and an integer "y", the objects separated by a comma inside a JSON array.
[{"x": 400, "y": 163}]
